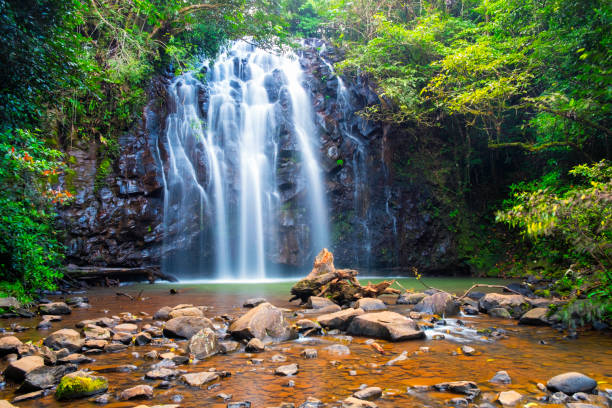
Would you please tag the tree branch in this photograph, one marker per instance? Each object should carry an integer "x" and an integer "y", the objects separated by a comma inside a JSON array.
[
  {"x": 185, "y": 10},
  {"x": 532, "y": 147}
]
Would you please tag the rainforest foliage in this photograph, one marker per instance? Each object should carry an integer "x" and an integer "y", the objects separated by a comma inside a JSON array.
[{"x": 521, "y": 88}]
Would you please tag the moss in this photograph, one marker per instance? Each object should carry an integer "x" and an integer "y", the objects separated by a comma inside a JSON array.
[
  {"x": 104, "y": 170},
  {"x": 76, "y": 387}
]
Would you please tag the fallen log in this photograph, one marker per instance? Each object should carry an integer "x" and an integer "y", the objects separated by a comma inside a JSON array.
[
  {"x": 339, "y": 285},
  {"x": 97, "y": 273}
]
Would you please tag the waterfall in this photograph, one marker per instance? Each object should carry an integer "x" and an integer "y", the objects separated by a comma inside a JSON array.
[{"x": 223, "y": 198}]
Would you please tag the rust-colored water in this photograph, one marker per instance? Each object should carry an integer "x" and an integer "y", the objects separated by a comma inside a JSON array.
[{"x": 328, "y": 377}]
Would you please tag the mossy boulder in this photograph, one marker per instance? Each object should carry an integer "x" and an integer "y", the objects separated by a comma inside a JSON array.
[{"x": 79, "y": 385}]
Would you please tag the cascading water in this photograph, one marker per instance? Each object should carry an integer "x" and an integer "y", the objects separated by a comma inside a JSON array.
[{"x": 223, "y": 160}]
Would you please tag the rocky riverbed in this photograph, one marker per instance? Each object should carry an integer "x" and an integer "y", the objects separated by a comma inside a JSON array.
[{"x": 234, "y": 350}]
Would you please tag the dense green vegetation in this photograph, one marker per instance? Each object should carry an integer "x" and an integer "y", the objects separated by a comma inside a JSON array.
[{"x": 520, "y": 91}]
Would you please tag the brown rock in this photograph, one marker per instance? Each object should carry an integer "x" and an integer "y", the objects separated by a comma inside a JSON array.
[
  {"x": 199, "y": 379},
  {"x": 65, "y": 338},
  {"x": 370, "y": 304},
  {"x": 339, "y": 320},
  {"x": 186, "y": 327},
  {"x": 18, "y": 369},
  {"x": 188, "y": 311},
  {"x": 54, "y": 308},
  {"x": 9, "y": 344},
  {"x": 385, "y": 325},
  {"x": 137, "y": 392},
  {"x": 441, "y": 304},
  {"x": 203, "y": 344},
  {"x": 261, "y": 322}
]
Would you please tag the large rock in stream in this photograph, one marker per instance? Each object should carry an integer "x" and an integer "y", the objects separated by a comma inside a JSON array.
[
  {"x": 203, "y": 344},
  {"x": 385, "y": 325},
  {"x": 65, "y": 338},
  {"x": 516, "y": 305},
  {"x": 186, "y": 326},
  {"x": 441, "y": 304},
  {"x": 571, "y": 383},
  {"x": 339, "y": 320},
  {"x": 262, "y": 322}
]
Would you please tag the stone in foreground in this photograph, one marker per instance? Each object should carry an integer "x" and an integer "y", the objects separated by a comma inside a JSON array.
[
  {"x": 199, "y": 379},
  {"x": 262, "y": 321},
  {"x": 339, "y": 320},
  {"x": 137, "y": 392},
  {"x": 18, "y": 369},
  {"x": 571, "y": 383},
  {"x": 385, "y": 325},
  {"x": 509, "y": 398},
  {"x": 65, "y": 338},
  {"x": 79, "y": 385},
  {"x": 203, "y": 344},
  {"x": 186, "y": 327},
  {"x": 441, "y": 304},
  {"x": 287, "y": 370}
]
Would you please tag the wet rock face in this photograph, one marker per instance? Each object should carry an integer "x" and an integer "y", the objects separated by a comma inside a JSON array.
[{"x": 116, "y": 220}]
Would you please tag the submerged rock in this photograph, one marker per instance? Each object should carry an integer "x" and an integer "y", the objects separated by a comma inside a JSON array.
[
  {"x": 501, "y": 377},
  {"x": 468, "y": 388},
  {"x": 262, "y": 322},
  {"x": 385, "y": 325},
  {"x": 368, "y": 393}
]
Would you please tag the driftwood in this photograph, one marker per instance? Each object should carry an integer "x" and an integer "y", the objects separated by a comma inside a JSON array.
[
  {"x": 478, "y": 285},
  {"x": 340, "y": 285},
  {"x": 86, "y": 273}
]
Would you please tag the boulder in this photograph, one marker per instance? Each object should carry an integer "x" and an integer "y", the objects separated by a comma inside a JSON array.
[
  {"x": 501, "y": 377},
  {"x": 261, "y": 322},
  {"x": 186, "y": 326},
  {"x": 163, "y": 313},
  {"x": 407, "y": 298},
  {"x": 339, "y": 320},
  {"x": 9, "y": 303},
  {"x": 18, "y": 369},
  {"x": 441, "y": 304},
  {"x": 142, "y": 338},
  {"x": 287, "y": 370},
  {"x": 137, "y": 392},
  {"x": 255, "y": 345},
  {"x": 516, "y": 305},
  {"x": 64, "y": 338},
  {"x": 509, "y": 398},
  {"x": 122, "y": 337},
  {"x": 571, "y": 383},
  {"x": 318, "y": 302},
  {"x": 80, "y": 384},
  {"x": 188, "y": 311},
  {"x": 500, "y": 312},
  {"x": 94, "y": 332},
  {"x": 228, "y": 346},
  {"x": 535, "y": 317},
  {"x": 368, "y": 393},
  {"x": 45, "y": 377},
  {"x": 385, "y": 325},
  {"x": 253, "y": 302},
  {"x": 9, "y": 344},
  {"x": 54, "y": 308},
  {"x": 370, "y": 304},
  {"x": 199, "y": 379},
  {"x": 352, "y": 402},
  {"x": 203, "y": 344}
]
